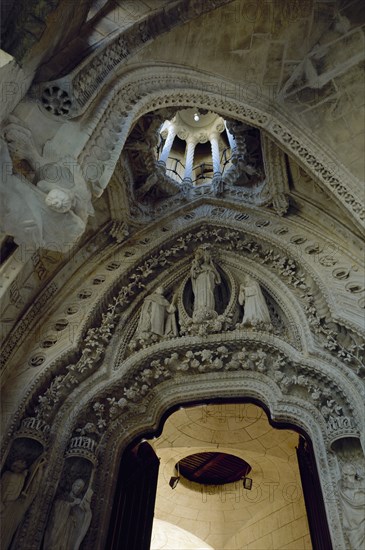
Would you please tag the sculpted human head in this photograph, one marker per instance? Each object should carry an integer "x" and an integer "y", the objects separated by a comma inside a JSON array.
[
  {"x": 247, "y": 279},
  {"x": 205, "y": 253},
  {"x": 160, "y": 290},
  {"x": 78, "y": 486},
  {"x": 348, "y": 472},
  {"x": 18, "y": 466},
  {"x": 206, "y": 256},
  {"x": 59, "y": 200}
]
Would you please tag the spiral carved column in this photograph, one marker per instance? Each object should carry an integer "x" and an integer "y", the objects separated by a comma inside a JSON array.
[
  {"x": 189, "y": 160},
  {"x": 168, "y": 144},
  {"x": 215, "y": 154}
]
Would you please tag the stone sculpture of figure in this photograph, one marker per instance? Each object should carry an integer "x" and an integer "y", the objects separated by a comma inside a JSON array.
[
  {"x": 241, "y": 173},
  {"x": 255, "y": 309},
  {"x": 18, "y": 488},
  {"x": 204, "y": 278},
  {"x": 158, "y": 185},
  {"x": 352, "y": 496},
  {"x": 50, "y": 212},
  {"x": 157, "y": 316},
  {"x": 70, "y": 519}
]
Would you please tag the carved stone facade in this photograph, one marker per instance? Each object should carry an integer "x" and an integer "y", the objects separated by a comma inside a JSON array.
[{"x": 127, "y": 294}]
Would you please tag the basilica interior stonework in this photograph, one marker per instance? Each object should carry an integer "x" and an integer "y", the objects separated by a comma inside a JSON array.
[{"x": 182, "y": 277}]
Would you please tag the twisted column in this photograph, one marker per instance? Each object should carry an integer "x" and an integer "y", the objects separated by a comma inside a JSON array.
[
  {"x": 168, "y": 144},
  {"x": 215, "y": 154},
  {"x": 231, "y": 140},
  {"x": 189, "y": 159}
]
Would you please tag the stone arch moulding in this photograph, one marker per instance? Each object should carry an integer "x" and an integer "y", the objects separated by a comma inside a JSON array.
[
  {"x": 260, "y": 256},
  {"x": 292, "y": 384},
  {"x": 122, "y": 428},
  {"x": 212, "y": 390},
  {"x": 146, "y": 89},
  {"x": 80, "y": 87}
]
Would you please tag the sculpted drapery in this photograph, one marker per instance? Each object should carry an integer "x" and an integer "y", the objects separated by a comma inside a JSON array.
[
  {"x": 204, "y": 278},
  {"x": 352, "y": 495},
  {"x": 157, "y": 316},
  {"x": 70, "y": 519},
  {"x": 18, "y": 488},
  {"x": 255, "y": 308}
]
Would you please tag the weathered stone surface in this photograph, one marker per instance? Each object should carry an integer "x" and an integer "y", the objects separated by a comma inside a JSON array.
[{"x": 248, "y": 286}]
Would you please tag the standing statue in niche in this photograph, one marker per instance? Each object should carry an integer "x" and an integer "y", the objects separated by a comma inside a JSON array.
[
  {"x": 70, "y": 519},
  {"x": 18, "y": 488},
  {"x": 255, "y": 308},
  {"x": 157, "y": 318},
  {"x": 204, "y": 279},
  {"x": 352, "y": 496}
]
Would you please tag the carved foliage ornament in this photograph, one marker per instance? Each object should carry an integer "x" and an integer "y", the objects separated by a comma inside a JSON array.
[
  {"x": 97, "y": 338},
  {"x": 294, "y": 379}
]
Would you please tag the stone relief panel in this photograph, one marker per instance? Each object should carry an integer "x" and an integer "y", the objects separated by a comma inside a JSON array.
[
  {"x": 52, "y": 192},
  {"x": 71, "y": 514},
  {"x": 243, "y": 353},
  {"x": 207, "y": 300},
  {"x": 129, "y": 399},
  {"x": 256, "y": 311},
  {"x": 77, "y": 467},
  {"x": 344, "y": 344},
  {"x": 157, "y": 319},
  {"x": 67, "y": 507},
  {"x": 70, "y": 518},
  {"x": 351, "y": 489}
]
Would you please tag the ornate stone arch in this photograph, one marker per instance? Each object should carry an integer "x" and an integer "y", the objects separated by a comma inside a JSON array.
[
  {"x": 259, "y": 250},
  {"x": 120, "y": 423},
  {"x": 145, "y": 89},
  {"x": 309, "y": 376},
  {"x": 291, "y": 380}
]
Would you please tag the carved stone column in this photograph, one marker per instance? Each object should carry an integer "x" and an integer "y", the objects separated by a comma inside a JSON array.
[
  {"x": 168, "y": 144},
  {"x": 189, "y": 160},
  {"x": 213, "y": 138},
  {"x": 231, "y": 140}
]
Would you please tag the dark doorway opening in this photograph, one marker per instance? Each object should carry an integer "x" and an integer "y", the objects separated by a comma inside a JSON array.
[{"x": 133, "y": 508}]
